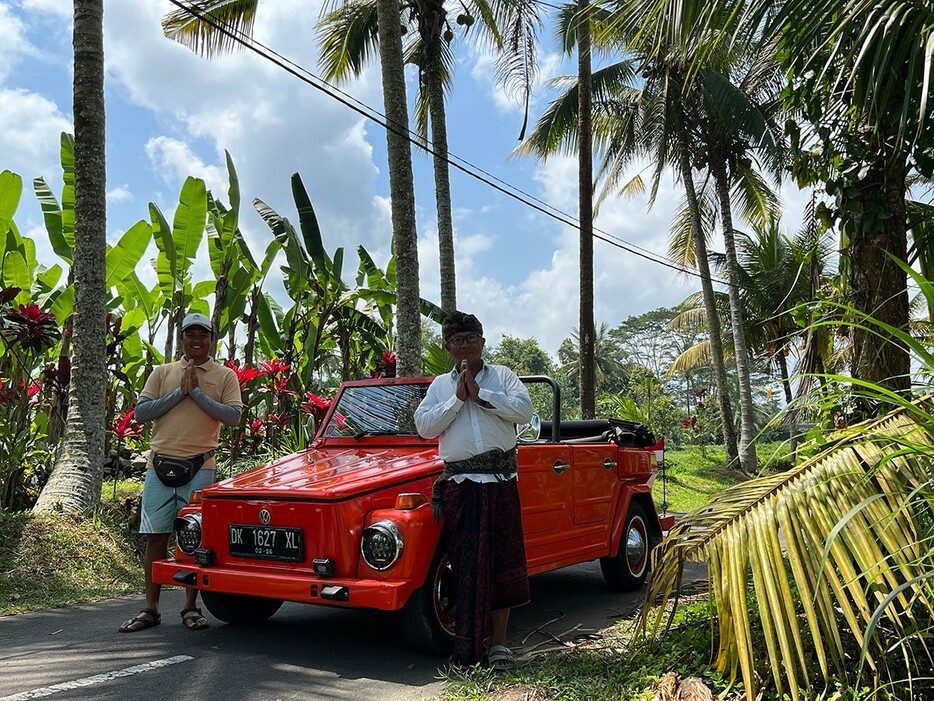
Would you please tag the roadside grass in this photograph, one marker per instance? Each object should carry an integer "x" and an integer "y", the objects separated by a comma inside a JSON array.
[
  {"x": 608, "y": 669},
  {"x": 695, "y": 473},
  {"x": 624, "y": 666},
  {"x": 47, "y": 562}
]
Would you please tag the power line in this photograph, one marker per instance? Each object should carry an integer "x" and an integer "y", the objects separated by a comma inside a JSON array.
[{"x": 457, "y": 162}]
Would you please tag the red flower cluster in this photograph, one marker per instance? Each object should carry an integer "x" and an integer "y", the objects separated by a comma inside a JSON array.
[
  {"x": 125, "y": 426},
  {"x": 386, "y": 365},
  {"x": 245, "y": 373},
  {"x": 31, "y": 327},
  {"x": 315, "y": 405}
]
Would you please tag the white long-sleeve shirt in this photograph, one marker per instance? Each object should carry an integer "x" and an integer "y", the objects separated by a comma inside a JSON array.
[{"x": 466, "y": 428}]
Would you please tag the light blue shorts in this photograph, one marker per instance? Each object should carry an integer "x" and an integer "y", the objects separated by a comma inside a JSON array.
[{"x": 161, "y": 504}]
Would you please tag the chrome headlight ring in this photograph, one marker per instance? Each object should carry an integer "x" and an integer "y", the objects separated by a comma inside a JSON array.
[
  {"x": 188, "y": 532},
  {"x": 381, "y": 545}
]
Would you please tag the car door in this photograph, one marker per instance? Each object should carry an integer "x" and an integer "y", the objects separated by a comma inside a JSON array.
[
  {"x": 595, "y": 483},
  {"x": 545, "y": 493}
]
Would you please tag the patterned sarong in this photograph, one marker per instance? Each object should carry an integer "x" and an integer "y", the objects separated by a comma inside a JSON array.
[
  {"x": 483, "y": 524},
  {"x": 499, "y": 463}
]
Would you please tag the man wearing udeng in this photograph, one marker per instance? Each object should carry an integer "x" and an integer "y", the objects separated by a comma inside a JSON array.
[
  {"x": 189, "y": 401},
  {"x": 473, "y": 411}
]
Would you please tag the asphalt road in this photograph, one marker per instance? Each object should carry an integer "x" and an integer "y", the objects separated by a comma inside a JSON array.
[{"x": 303, "y": 652}]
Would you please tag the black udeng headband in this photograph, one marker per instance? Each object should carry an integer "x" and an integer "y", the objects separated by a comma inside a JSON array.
[{"x": 458, "y": 322}]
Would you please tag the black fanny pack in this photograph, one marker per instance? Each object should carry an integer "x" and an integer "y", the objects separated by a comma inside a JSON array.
[{"x": 177, "y": 472}]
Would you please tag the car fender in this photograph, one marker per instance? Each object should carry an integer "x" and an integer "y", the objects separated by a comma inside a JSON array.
[
  {"x": 420, "y": 536},
  {"x": 634, "y": 492}
]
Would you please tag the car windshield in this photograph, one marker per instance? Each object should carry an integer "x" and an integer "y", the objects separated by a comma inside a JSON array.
[{"x": 376, "y": 410}]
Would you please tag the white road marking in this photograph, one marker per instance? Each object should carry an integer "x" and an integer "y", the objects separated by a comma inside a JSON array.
[{"x": 96, "y": 679}]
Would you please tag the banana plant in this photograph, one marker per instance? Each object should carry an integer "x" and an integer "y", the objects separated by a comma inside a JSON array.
[{"x": 178, "y": 246}]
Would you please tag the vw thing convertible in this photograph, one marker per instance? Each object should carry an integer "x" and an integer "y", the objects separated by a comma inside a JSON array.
[{"x": 348, "y": 522}]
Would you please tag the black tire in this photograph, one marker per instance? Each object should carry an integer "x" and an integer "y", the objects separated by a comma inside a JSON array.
[
  {"x": 629, "y": 568},
  {"x": 428, "y": 616},
  {"x": 239, "y": 608}
]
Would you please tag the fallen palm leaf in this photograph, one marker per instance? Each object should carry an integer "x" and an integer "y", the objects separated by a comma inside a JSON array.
[{"x": 830, "y": 550}]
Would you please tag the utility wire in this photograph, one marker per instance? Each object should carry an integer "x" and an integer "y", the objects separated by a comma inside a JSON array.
[{"x": 461, "y": 164}]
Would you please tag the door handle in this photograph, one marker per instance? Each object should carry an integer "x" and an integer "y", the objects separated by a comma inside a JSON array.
[
  {"x": 609, "y": 464},
  {"x": 561, "y": 467}
]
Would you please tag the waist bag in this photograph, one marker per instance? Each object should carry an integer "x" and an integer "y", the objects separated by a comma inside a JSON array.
[{"x": 177, "y": 472}]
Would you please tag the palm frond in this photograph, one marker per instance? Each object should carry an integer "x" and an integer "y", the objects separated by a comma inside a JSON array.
[
  {"x": 821, "y": 548},
  {"x": 210, "y": 27},
  {"x": 347, "y": 39}
]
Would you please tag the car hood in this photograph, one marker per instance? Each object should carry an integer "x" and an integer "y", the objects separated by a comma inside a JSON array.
[{"x": 331, "y": 474}]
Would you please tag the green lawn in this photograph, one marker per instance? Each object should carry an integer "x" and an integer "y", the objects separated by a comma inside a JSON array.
[{"x": 694, "y": 473}]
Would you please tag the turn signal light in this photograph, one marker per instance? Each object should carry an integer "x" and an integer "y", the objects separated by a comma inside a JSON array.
[
  {"x": 410, "y": 500},
  {"x": 196, "y": 497}
]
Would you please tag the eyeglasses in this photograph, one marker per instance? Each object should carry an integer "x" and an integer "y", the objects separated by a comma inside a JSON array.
[{"x": 461, "y": 340}]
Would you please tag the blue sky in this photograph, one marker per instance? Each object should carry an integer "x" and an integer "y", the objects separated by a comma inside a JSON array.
[{"x": 171, "y": 114}]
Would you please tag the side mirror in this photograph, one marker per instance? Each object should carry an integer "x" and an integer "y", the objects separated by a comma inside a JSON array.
[{"x": 526, "y": 433}]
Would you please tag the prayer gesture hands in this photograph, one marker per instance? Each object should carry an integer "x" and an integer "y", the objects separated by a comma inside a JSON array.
[
  {"x": 189, "y": 378},
  {"x": 467, "y": 385}
]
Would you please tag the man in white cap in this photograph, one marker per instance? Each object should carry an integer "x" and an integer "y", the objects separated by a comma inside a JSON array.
[{"x": 188, "y": 400}]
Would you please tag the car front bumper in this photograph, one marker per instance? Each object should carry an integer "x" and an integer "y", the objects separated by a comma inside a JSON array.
[{"x": 386, "y": 595}]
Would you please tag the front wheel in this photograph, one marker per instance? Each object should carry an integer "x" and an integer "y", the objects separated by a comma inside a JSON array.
[
  {"x": 428, "y": 616},
  {"x": 629, "y": 568},
  {"x": 240, "y": 608}
]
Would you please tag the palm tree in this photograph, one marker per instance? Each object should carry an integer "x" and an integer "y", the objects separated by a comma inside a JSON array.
[
  {"x": 587, "y": 338},
  {"x": 208, "y": 29},
  {"x": 348, "y": 33},
  {"x": 655, "y": 123},
  {"x": 608, "y": 356},
  {"x": 75, "y": 483},
  {"x": 863, "y": 89}
]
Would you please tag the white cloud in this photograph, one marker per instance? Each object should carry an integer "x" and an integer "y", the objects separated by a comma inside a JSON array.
[
  {"x": 272, "y": 124},
  {"x": 13, "y": 42},
  {"x": 30, "y": 130},
  {"x": 121, "y": 193},
  {"x": 60, "y": 8}
]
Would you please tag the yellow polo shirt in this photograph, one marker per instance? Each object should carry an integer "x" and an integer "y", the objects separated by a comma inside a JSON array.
[{"x": 187, "y": 430}]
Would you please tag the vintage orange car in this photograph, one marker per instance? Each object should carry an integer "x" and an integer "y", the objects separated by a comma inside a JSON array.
[{"x": 347, "y": 522}]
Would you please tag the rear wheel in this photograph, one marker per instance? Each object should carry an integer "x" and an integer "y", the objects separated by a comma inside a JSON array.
[
  {"x": 239, "y": 608},
  {"x": 629, "y": 568},
  {"x": 428, "y": 615}
]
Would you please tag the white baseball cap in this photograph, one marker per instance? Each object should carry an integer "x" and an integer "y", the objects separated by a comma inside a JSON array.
[{"x": 195, "y": 319}]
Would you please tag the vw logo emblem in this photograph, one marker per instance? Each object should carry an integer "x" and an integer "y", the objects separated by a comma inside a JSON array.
[{"x": 265, "y": 517}]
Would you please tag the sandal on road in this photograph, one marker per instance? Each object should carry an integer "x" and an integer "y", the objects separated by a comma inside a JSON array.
[
  {"x": 501, "y": 658},
  {"x": 194, "y": 619},
  {"x": 147, "y": 618}
]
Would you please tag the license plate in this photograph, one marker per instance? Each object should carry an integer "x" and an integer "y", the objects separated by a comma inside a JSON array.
[{"x": 267, "y": 543}]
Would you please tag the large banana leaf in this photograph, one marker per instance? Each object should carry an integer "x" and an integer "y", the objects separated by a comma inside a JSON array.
[
  {"x": 123, "y": 258},
  {"x": 826, "y": 551},
  {"x": 11, "y": 189}
]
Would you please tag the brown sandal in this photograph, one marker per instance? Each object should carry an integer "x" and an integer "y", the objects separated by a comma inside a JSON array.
[
  {"x": 194, "y": 619},
  {"x": 147, "y": 618}
]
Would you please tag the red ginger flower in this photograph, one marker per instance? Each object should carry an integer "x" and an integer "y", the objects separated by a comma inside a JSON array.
[
  {"x": 245, "y": 373},
  {"x": 274, "y": 367},
  {"x": 125, "y": 426}
]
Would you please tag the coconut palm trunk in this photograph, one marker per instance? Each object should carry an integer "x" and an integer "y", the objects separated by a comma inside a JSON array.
[
  {"x": 75, "y": 483},
  {"x": 439, "y": 144},
  {"x": 747, "y": 426},
  {"x": 586, "y": 324},
  {"x": 878, "y": 285},
  {"x": 401, "y": 189},
  {"x": 710, "y": 308}
]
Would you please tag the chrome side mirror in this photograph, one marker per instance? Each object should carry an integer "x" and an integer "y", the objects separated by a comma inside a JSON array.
[{"x": 526, "y": 433}]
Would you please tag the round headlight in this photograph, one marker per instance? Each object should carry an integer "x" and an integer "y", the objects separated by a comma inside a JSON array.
[
  {"x": 188, "y": 532},
  {"x": 381, "y": 545}
]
